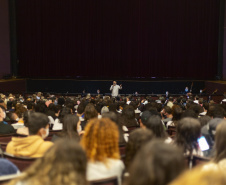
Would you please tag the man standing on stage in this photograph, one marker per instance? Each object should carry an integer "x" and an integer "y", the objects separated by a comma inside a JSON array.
[{"x": 115, "y": 88}]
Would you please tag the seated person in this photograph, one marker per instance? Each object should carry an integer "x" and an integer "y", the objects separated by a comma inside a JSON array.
[
  {"x": 4, "y": 127},
  {"x": 7, "y": 167},
  {"x": 33, "y": 145}
]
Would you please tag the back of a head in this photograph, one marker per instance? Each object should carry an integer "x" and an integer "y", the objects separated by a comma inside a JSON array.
[
  {"x": 90, "y": 112},
  {"x": 176, "y": 112},
  {"x": 157, "y": 163},
  {"x": 220, "y": 140},
  {"x": 218, "y": 112},
  {"x": 128, "y": 112},
  {"x": 154, "y": 124},
  {"x": 63, "y": 163},
  {"x": 65, "y": 111},
  {"x": 81, "y": 108},
  {"x": 188, "y": 131},
  {"x": 70, "y": 126},
  {"x": 100, "y": 140},
  {"x": 204, "y": 120},
  {"x": 111, "y": 115},
  {"x": 137, "y": 139},
  {"x": 189, "y": 113},
  {"x": 168, "y": 110},
  {"x": 36, "y": 121},
  {"x": 104, "y": 110}
]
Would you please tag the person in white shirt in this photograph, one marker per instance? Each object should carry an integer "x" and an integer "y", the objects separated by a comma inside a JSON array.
[
  {"x": 100, "y": 141},
  {"x": 115, "y": 89}
]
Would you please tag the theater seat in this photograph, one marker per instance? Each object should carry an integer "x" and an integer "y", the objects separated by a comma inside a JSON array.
[
  {"x": 21, "y": 162},
  {"x": 6, "y": 178},
  {"x": 107, "y": 181}
]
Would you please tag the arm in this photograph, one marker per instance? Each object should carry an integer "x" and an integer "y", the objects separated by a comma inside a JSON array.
[
  {"x": 111, "y": 87},
  {"x": 120, "y": 87}
]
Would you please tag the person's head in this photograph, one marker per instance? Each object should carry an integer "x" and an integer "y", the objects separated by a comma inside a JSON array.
[
  {"x": 90, "y": 112},
  {"x": 2, "y": 114},
  {"x": 65, "y": 111},
  {"x": 189, "y": 113},
  {"x": 155, "y": 124},
  {"x": 137, "y": 139},
  {"x": 204, "y": 120},
  {"x": 81, "y": 108},
  {"x": 167, "y": 111},
  {"x": 188, "y": 131},
  {"x": 26, "y": 117},
  {"x": 38, "y": 124},
  {"x": 104, "y": 110},
  {"x": 64, "y": 163},
  {"x": 100, "y": 140},
  {"x": 157, "y": 163},
  {"x": 220, "y": 140},
  {"x": 128, "y": 112},
  {"x": 70, "y": 126},
  {"x": 176, "y": 112},
  {"x": 201, "y": 176},
  {"x": 114, "y": 82},
  {"x": 20, "y": 109}
]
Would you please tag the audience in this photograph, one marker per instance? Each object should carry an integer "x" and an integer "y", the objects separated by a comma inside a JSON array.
[{"x": 157, "y": 162}]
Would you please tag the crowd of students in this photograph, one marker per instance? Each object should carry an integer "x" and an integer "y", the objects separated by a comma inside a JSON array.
[{"x": 91, "y": 130}]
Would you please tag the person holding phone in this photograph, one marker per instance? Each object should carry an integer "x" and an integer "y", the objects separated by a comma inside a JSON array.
[{"x": 115, "y": 89}]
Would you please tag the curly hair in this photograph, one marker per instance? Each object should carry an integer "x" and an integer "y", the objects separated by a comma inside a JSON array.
[
  {"x": 100, "y": 140},
  {"x": 64, "y": 163}
]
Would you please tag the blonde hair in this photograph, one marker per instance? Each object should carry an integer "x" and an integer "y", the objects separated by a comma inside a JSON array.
[
  {"x": 100, "y": 140},
  {"x": 63, "y": 164},
  {"x": 201, "y": 177}
]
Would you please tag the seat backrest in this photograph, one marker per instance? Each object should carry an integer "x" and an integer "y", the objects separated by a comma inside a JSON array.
[
  {"x": 130, "y": 129},
  {"x": 6, "y": 178},
  {"x": 6, "y": 137},
  {"x": 195, "y": 160},
  {"x": 171, "y": 130},
  {"x": 21, "y": 162},
  {"x": 106, "y": 181}
]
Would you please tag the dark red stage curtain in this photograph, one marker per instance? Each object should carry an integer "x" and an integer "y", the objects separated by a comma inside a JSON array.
[{"x": 118, "y": 38}]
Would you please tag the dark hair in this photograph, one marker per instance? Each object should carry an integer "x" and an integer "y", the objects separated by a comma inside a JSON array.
[
  {"x": 65, "y": 111},
  {"x": 36, "y": 121},
  {"x": 155, "y": 124},
  {"x": 70, "y": 127},
  {"x": 218, "y": 112},
  {"x": 188, "y": 131},
  {"x": 157, "y": 163},
  {"x": 204, "y": 120},
  {"x": 176, "y": 112},
  {"x": 128, "y": 117},
  {"x": 189, "y": 114},
  {"x": 137, "y": 139},
  {"x": 90, "y": 112},
  {"x": 168, "y": 110},
  {"x": 26, "y": 117},
  {"x": 220, "y": 139},
  {"x": 61, "y": 101},
  {"x": 114, "y": 117},
  {"x": 40, "y": 107}
]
